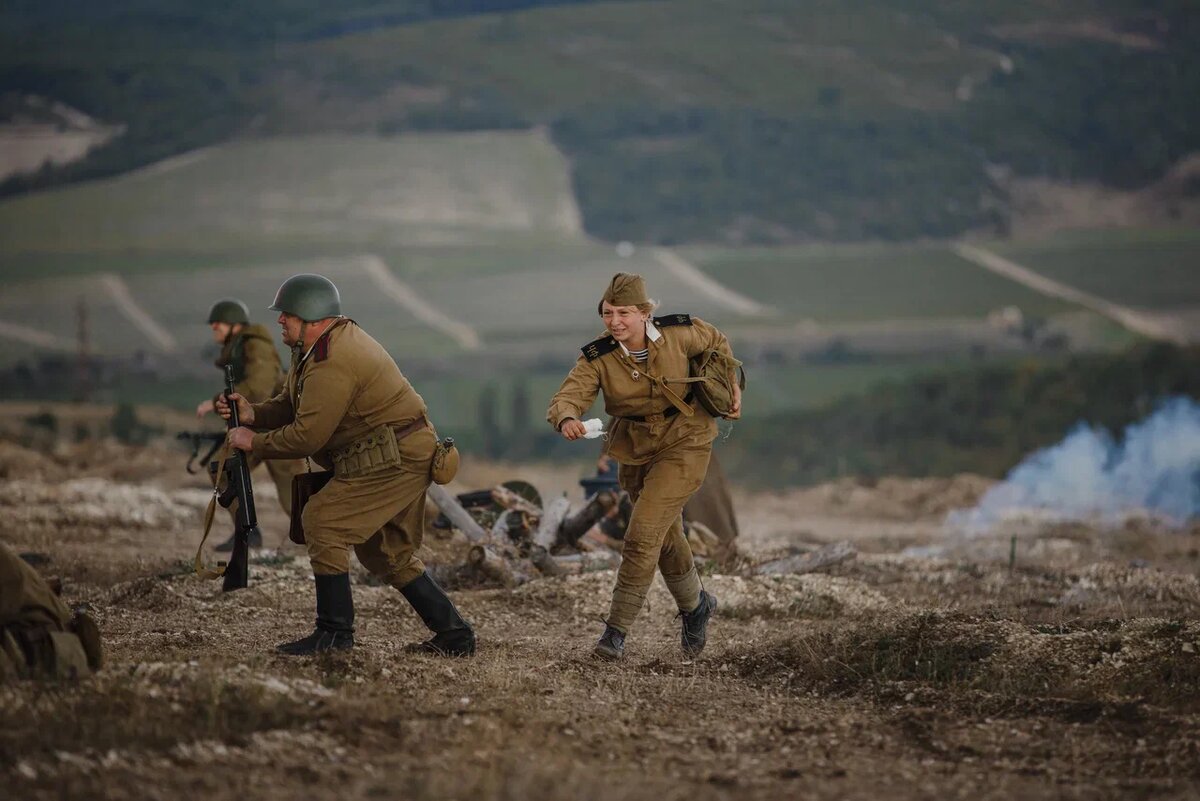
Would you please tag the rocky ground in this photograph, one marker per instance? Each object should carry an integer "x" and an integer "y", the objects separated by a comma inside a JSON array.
[{"x": 1072, "y": 671}]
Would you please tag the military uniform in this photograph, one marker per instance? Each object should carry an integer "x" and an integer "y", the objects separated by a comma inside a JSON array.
[
  {"x": 39, "y": 636},
  {"x": 662, "y": 442},
  {"x": 341, "y": 393},
  {"x": 258, "y": 376},
  {"x": 347, "y": 406}
]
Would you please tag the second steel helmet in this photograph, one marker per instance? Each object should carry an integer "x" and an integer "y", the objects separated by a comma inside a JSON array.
[
  {"x": 309, "y": 297},
  {"x": 229, "y": 311}
]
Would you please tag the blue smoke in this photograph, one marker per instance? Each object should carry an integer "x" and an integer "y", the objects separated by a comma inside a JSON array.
[{"x": 1155, "y": 468}]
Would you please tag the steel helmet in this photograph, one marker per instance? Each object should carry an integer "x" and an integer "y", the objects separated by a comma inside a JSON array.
[
  {"x": 229, "y": 311},
  {"x": 309, "y": 297}
]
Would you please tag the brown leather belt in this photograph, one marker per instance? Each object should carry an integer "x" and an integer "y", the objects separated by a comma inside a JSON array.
[{"x": 670, "y": 411}]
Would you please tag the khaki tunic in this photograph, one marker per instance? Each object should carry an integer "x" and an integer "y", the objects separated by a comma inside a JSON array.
[
  {"x": 344, "y": 388},
  {"x": 663, "y": 459},
  {"x": 258, "y": 375},
  {"x": 37, "y": 631}
]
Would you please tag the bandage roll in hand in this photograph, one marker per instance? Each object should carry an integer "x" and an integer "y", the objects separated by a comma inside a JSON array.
[{"x": 594, "y": 428}]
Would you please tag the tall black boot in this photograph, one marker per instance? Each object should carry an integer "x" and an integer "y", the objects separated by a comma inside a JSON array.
[
  {"x": 335, "y": 619},
  {"x": 452, "y": 636}
]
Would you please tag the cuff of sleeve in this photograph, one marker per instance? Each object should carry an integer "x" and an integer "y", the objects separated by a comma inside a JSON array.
[
  {"x": 258, "y": 445},
  {"x": 562, "y": 418}
]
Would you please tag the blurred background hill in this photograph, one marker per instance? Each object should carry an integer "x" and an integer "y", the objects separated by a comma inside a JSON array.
[{"x": 907, "y": 214}]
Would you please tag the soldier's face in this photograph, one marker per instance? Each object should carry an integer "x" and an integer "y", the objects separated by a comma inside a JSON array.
[
  {"x": 623, "y": 322},
  {"x": 220, "y": 332},
  {"x": 291, "y": 325}
]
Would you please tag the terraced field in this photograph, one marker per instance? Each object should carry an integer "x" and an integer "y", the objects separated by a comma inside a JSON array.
[{"x": 463, "y": 254}]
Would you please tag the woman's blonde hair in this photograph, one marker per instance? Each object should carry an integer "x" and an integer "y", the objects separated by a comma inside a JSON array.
[{"x": 648, "y": 307}]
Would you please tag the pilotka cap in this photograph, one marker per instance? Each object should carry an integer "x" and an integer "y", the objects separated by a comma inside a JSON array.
[{"x": 626, "y": 289}]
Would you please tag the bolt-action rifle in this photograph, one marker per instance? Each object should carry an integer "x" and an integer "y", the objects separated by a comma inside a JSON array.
[{"x": 237, "y": 488}]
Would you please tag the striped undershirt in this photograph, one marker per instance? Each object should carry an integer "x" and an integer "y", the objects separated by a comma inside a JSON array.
[{"x": 640, "y": 355}]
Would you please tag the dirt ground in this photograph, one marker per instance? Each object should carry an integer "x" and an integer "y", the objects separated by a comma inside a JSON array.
[{"x": 1076, "y": 673}]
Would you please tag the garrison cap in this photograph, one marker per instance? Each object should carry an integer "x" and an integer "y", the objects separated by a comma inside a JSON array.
[
  {"x": 229, "y": 310},
  {"x": 626, "y": 289}
]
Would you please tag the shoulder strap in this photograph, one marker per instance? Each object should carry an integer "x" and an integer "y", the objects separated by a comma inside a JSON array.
[
  {"x": 598, "y": 347},
  {"x": 673, "y": 319}
]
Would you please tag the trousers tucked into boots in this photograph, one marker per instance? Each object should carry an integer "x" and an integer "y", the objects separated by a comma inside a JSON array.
[
  {"x": 335, "y": 618},
  {"x": 453, "y": 636}
]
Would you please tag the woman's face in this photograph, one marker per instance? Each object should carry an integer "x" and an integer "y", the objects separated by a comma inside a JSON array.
[{"x": 623, "y": 322}]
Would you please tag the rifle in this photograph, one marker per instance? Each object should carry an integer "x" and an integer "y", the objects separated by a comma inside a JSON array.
[
  {"x": 237, "y": 488},
  {"x": 198, "y": 438}
]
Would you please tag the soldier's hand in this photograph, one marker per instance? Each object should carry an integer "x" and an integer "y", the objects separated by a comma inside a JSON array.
[
  {"x": 572, "y": 429},
  {"x": 241, "y": 438},
  {"x": 245, "y": 410},
  {"x": 204, "y": 408},
  {"x": 735, "y": 411}
]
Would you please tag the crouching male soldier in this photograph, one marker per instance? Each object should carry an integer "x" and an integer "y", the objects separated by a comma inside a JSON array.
[
  {"x": 348, "y": 406},
  {"x": 39, "y": 636},
  {"x": 257, "y": 375}
]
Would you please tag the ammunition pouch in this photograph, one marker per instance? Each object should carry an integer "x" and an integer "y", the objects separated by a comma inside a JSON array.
[
  {"x": 376, "y": 451},
  {"x": 444, "y": 466}
]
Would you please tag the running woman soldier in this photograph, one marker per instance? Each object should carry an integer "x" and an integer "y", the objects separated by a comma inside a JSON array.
[{"x": 662, "y": 440}]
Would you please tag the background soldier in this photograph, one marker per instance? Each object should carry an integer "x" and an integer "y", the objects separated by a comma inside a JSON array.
[
  {"x": 39, "y": 636},
  {"x": 348, "y": 406},
  {"x": 258, "y": 375}
]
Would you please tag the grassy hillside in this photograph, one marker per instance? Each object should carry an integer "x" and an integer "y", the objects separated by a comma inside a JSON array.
[{"x": 736, "y": 121}]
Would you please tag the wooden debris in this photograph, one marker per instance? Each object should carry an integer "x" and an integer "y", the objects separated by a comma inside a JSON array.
[
  {"x": 821, "y": 558},
  {"x": 547, "y": 530},
  {"x": 459, "y": 517},
  {"x": 496, "y": 567}
]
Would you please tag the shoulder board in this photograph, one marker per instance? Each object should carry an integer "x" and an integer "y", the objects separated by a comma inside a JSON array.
[
  {"x": 673, "y": 319},
  {"x": 597, "y": 348}
]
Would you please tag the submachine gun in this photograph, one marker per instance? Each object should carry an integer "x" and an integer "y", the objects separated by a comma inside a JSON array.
[{"x": 237, "y": 488}]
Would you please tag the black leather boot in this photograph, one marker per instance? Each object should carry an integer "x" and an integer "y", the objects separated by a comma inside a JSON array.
[
  {"x": 452, "y": 636},
  {"x": 335, "y": 619},
  {"x": 695, "y": 624},
  {"x": 227, "y": 545},
  {"x": 611, "y": 645}
]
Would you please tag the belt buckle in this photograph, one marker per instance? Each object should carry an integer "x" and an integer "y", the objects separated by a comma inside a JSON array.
[{"x": 657, "y": 417}]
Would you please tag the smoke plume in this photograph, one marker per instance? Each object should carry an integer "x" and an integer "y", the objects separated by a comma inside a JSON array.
[{"x": 1153, "y": 469}]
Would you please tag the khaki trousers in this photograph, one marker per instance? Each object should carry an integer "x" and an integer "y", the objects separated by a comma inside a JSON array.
[
  {"x": 381, "y": 515},
  {"x": 654, "y": 537}
]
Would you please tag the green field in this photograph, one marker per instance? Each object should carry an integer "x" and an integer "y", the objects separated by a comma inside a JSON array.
[
  {"x": 859, "y": 283},
  {"x": 1152, "y": 269}
]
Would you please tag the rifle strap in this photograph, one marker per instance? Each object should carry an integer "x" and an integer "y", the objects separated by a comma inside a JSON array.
[{"x": 209, "y": 514}]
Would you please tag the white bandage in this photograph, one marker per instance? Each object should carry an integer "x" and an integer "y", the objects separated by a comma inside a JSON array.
[{"x": 594, "y": 428}]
